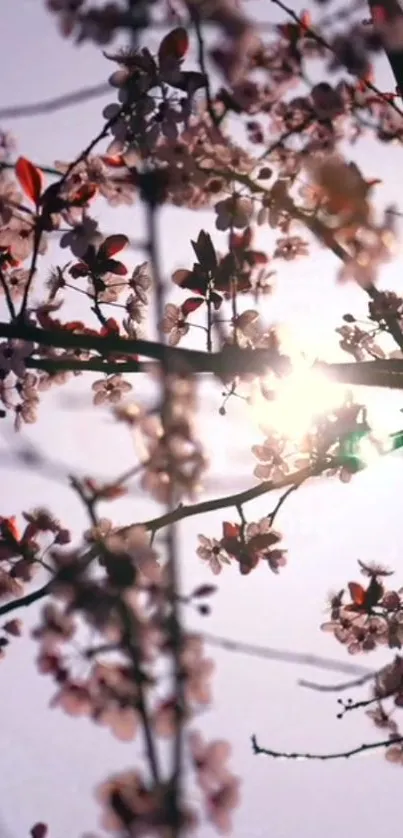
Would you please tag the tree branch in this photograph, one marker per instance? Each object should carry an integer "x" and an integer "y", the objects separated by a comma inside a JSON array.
[{"x": 360, "y": 749}]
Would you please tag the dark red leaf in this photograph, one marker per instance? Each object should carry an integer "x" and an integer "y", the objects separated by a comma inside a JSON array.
[
  {"x": 230, "y": 530},
  {"x": 111, "y": 327},
  {"x": 357, "y": 593},
  {"x": 204, "y": 250},
  {"x": 114, "y": 162},
  {"x": 256, "y": 257},
  {"x": 114, "y": 267},
  {"x": 174, "y": 46},
  {"x": 30, "y": 178},
  {"x": 191, "y": 304},
  {"x": 9, "y": 529},
  {"x": 73, "y": 326},
  {"x": 216, "y": 300},
  {"x": 112, "y": 245},
  {"x": 84, "y": 194},
  {"x": 78, "y": 269}
]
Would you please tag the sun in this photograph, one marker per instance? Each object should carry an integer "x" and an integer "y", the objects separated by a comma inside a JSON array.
[{"x": 298, "y": 399}]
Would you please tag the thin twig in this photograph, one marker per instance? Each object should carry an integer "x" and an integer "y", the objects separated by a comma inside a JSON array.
[
  {"x": 56, "y": 103},
  {"x": 202, "y": 64},
  {"x": 360, "y": 749},
  {"x": 282, "y": 655}
]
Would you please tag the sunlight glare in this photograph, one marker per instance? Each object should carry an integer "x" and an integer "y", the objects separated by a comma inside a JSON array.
[{"x": 299, "y": 398}]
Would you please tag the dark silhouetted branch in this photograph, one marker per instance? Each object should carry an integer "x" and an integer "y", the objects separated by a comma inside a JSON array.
[{"x": 360, "y": 749}]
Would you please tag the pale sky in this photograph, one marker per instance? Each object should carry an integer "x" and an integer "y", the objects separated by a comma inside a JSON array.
[{"x": 50, "y": 763}]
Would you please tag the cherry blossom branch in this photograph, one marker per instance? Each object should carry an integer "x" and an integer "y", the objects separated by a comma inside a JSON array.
[
  {"x": 215, "y": 119},
  {"x": 39, "y": 226},
  {"x": 182, "y": 512},
  {"x": 130, "y": 643},
  {"x": 26, "y": 600},
  {"x": 56, "y": 103},
  {"x": 230, "y": 361},
  {"x": 324, "y": 235},
  {"x": 322, "y": 41},
  {"x": 360, "y": 749},
  {"x": 282, "y": 500},
  {"x": 236, "y": 500},
  {"x": 285, "y": 656},
  {"x": 340, "y": 687},
  {"x": 176, "y": 638},
  {"x": 395, "y": 57}
]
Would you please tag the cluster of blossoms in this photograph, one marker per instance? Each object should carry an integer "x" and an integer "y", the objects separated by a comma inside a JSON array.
[
  {"x": 168, "y": 143},
  {"x": 172, "y": 456},
  {"x": 373, "y": 616},
  {"x": 116, "y": 585},
  {"x": 247, "y": 544},
  {"x": 23, "y": 554}
]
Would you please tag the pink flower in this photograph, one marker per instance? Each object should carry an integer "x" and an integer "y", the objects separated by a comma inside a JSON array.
[
  {"x": 221, "y": 803},
  {"x": 136, "y": 545},
  {"x": 209, "y": 760},
  {"x": 212, "y": 552},
  {"x": 13, "y": 355},
  {"x": 110, "y": 389},
  {"x": 174, "y": 324}
]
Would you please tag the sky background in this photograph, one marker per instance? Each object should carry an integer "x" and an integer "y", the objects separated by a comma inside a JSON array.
[{"x": 50, "y": 763}]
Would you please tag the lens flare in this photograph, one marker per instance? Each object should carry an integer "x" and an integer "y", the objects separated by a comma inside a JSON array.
[{"x": 298, "y": 399}]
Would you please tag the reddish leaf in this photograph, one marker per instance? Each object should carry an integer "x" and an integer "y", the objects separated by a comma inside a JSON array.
[
  {"x": 40, "y": 830},
  {"x": 181, "y": 277},
  {"x": 256, "y": 257},
  {"x": 230, "y": 530},
  {"x": 73, "y": 326},
  {"x": 216, "y": 300},
  {"x": 114, "y": 267},
  {"x": 112, "y": 245},
  {"x": 357, "y": 593},
  {"x": 174, "y": 46},
  {"x": 84, "y": 194},
  {"x": 204, "y": 250},
  {"x": 9, "y": 529},
  {"x": 111, "y": 327},
  {"x": 191, "y": 304},
  {"x": 30, "y": 178},
  {"x": 78, "y": 269},
  {"x": 114, "y": 162}
]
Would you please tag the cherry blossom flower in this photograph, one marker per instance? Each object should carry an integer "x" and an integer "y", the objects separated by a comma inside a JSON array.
[
  {"x": 18, "y": 238},
  {"x": 110, "y": 389},
  {"x": 135, "y": 544},
  {"x": 236, "y": 211},
  {"x": 10, "y": 198},
  {"x": 272, "y": 464},
  {"x": 16, "y": 281},
  {"x": 263, "y": 539},
  {"x": 221, "y": 803},
  {"x": 84, "y": 233},
  {"x": 197, "y": 670},
  {"x": 209, "y": 760},
  {"x": 290, "y": 247},
  {"x": 174, "y": 324},
  {"x": 13, "y": 355},
  {"x": 212, "y": 552}
]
